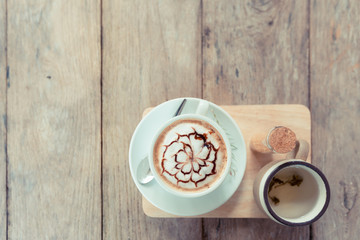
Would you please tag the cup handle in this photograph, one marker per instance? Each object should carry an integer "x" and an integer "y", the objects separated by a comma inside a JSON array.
[
  {"x": 301, "y": 150},
  {"x": 202, "y": 108}
]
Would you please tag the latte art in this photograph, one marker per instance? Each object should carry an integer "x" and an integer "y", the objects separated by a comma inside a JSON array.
[
  {"x": 193, "y": 154},
  {"x": 190, "y": 155}
]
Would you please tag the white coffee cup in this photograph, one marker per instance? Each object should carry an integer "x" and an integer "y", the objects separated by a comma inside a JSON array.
[
  {"x": 292, "y": 192},
  {"x": 201, "y": 111}
]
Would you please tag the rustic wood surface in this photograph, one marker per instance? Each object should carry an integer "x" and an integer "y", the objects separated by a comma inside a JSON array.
[
  {"x": 53, "y": 120},
  {"x": 77, "y": 76},
  {"x": 335, "y": 104},
  {"x": 151, "y": 53},
  {"x": 3, "y": 120},
  {"x": 253, "y": 119}
]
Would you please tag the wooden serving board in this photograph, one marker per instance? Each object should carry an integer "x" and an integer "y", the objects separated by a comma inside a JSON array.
[{"x": 251, "y": 120}]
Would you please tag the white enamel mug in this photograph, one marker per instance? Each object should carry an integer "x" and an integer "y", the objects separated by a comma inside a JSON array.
[{"x": 292, "y": 192}]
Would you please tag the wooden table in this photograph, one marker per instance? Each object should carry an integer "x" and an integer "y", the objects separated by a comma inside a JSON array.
[{"x": 75, "y": 77}]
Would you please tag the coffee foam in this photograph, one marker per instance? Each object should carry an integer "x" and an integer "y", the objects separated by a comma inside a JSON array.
[{"x": 190, "y": 155}]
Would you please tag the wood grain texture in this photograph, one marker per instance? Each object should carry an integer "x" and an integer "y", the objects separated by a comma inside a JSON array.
[
  {"x": 335, "y": 104},
  {"x": 3, "y": 120},
  {"x": 151, "y": 53},
  {"x": 253, "y": 119},
  {"x": 255, "y": 52},
  {"x": 54, "y": 120}
]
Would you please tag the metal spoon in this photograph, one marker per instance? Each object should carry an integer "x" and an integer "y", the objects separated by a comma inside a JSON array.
[{"x": 143, "y": 173}]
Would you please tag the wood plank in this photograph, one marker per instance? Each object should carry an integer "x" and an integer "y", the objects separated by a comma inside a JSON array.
[
  {"x": 335, "y": 104},
  {"x": 54, "y": 119},
  {"x": 3, "y": 120},
  {"x": 151, "y": 53},
  {"x": 255, "y": 52},
  {"x": 253, "y": 119}
]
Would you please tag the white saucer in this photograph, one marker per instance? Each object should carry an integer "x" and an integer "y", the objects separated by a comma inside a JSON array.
[{"x": 178, "y": 205}]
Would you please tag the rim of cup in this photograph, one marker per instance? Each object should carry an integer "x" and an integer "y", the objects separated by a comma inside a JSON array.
[
  {"x": 309, "y": 217},
  {"x": 213, "y": 186}
]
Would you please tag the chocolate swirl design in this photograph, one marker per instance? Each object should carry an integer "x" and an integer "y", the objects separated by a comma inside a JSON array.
[{"x": 194, "y": 159}]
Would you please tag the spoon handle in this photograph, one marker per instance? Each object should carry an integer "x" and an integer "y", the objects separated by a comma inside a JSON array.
[{"x": 179, "y": 110}]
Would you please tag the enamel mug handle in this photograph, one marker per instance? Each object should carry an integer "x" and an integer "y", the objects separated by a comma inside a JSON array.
[{"x": 301, "y": 150}]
